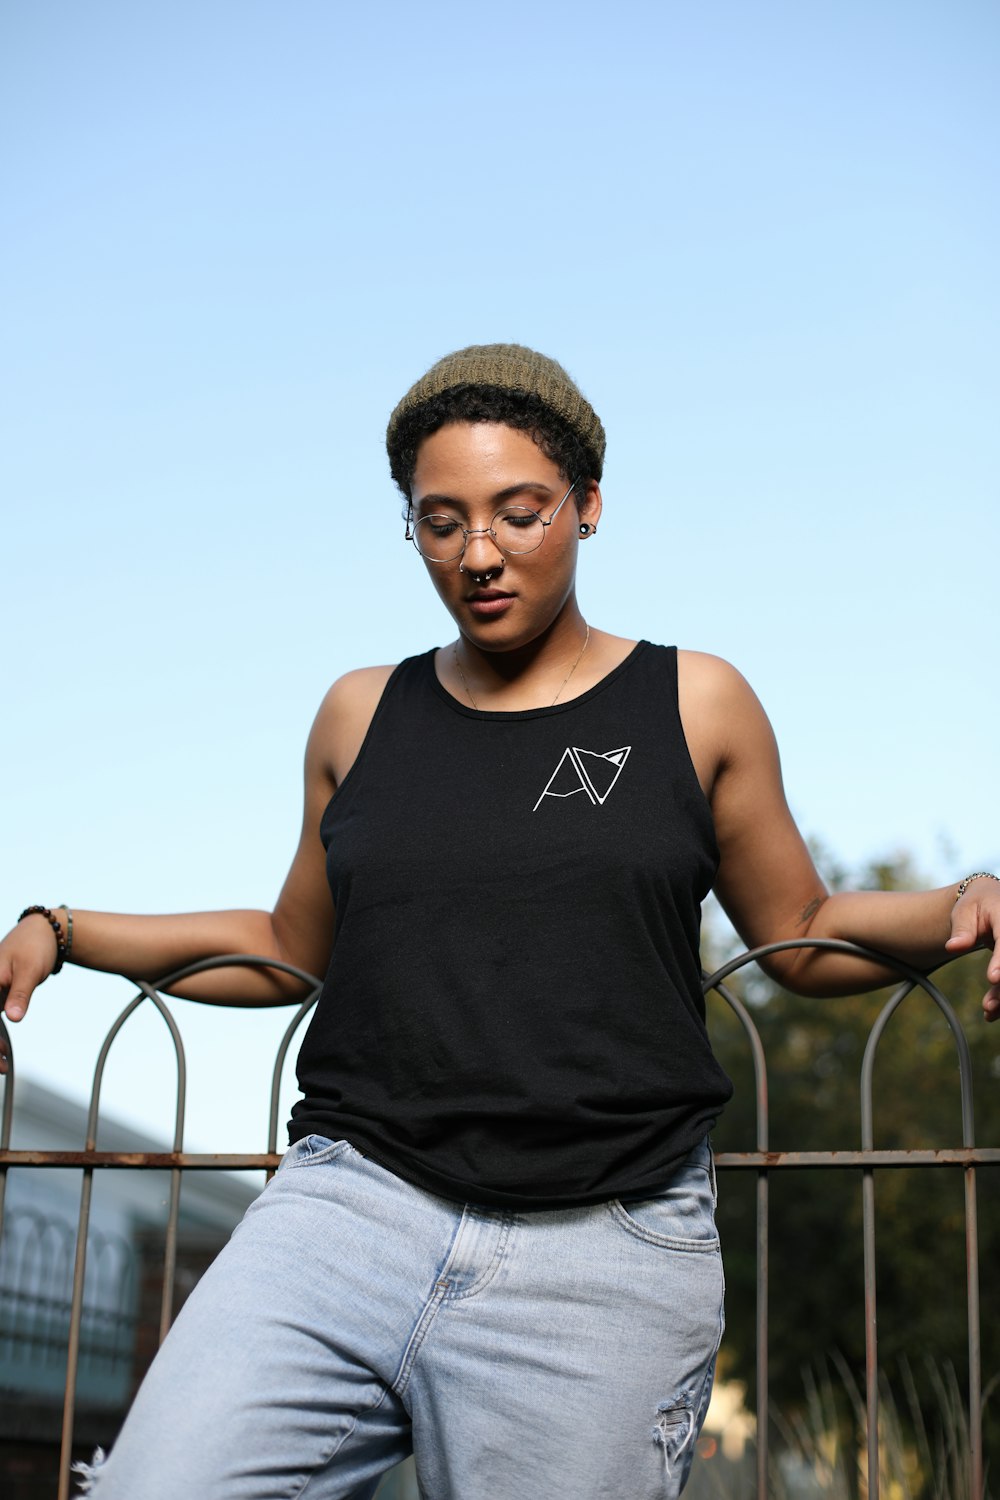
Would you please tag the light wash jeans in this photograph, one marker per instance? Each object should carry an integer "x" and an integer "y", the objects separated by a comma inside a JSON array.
[{"x": 563, "y": 1355}]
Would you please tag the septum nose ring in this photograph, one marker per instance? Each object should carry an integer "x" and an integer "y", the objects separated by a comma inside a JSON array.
[{"x": 483, "y": 575}]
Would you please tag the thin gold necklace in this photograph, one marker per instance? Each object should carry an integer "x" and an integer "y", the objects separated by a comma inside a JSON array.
[{"x": 468, "y": 690}]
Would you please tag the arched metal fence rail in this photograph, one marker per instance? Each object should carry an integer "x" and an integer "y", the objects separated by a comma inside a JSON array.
[{"x": 761, "y": 1161}]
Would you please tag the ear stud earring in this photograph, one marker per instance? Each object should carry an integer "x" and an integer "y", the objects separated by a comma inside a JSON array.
[{"x": 586, "y": 529}]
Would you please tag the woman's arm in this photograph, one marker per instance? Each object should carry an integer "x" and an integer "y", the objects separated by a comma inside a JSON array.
[
  {"x": 298, "y": 931},
  {"x": 767, "y": 882},
  {"x": 148, "y": 947}
]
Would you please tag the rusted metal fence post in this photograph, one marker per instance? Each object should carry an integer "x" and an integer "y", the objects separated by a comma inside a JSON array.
[
  {"x": 762, "y": 1221},
  {"x": 170, "y": 1239},
  {"x": 971, "y": 1236}
]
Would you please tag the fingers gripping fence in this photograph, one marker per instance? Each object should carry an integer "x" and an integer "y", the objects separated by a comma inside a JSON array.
[{"x": 761, "y": 1161}]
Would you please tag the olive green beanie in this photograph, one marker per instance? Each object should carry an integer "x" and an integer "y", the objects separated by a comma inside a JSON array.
[{"x": 509, "y": 367}]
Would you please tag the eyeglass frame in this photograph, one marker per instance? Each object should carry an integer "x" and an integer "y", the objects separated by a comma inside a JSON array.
[{"x": 467, "y": 531}]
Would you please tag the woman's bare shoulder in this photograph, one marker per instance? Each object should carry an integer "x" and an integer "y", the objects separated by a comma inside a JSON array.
[
  {"x": 719, "y": 712},
  {"x": 356, "y": 689},
  {"x": 709, "y": 678},
  {"x": 344, "y": 717}
]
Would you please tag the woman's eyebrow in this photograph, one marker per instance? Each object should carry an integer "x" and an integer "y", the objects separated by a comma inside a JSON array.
[
  {"x": 518, "y": 489},
  {"x": 498, "y": 498}
]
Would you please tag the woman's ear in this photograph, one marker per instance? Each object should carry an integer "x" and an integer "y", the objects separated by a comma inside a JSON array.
[{"x": 589, "y": 508}]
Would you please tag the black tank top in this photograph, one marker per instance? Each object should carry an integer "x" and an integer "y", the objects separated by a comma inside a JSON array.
[{"x": 513, "y": 1011}]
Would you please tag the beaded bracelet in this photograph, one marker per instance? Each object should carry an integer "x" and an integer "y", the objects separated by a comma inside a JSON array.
[
  {"x": 979, "y": 875},
  {"x": 61, "y": 948}
]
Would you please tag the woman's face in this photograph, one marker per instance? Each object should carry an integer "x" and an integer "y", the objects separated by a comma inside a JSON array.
[{"x": 469, "y": 471}]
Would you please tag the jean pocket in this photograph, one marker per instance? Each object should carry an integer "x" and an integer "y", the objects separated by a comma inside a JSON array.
[
  {"x": 681, "y": 1217},
  {"x": 311, "y": 1151}
]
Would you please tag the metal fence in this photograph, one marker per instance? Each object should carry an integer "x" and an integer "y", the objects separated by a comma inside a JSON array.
[{"x": 82, "y": 1328}]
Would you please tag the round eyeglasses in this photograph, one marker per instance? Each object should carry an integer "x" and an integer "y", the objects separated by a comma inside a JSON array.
[{"x": 514, "y": 529}]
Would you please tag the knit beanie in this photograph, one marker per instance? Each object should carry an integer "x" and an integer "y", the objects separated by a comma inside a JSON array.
[{"x": 509, "y": 367}]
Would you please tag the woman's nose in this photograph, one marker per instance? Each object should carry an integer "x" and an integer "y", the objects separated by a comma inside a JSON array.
[{"x": 481, "y": 551}]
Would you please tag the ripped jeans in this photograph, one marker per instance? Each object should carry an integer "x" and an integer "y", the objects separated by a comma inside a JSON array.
[{"x": 354, "y": 1317}]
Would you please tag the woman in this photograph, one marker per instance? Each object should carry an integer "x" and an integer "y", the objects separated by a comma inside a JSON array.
[{"x": 492, "y": 1236}]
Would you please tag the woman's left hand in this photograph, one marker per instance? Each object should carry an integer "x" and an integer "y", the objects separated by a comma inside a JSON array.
[{"x": 975, "y": 923}]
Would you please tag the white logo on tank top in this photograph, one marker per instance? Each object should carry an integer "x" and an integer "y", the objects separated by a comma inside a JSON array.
[{"x": 591, "y": 771}]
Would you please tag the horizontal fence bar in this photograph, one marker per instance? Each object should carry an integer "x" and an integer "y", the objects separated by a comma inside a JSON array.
[
  {"x": 206, "y": 1161},
  {"x": 249, "y": 1161},
  {"x": 964, "y": 1156}
]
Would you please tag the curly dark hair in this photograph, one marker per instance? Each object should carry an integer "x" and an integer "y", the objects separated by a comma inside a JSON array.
[{"x": 488, "y": 403}]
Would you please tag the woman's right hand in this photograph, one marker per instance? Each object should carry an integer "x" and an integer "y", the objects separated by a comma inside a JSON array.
[{"x": 27, "y": 957}]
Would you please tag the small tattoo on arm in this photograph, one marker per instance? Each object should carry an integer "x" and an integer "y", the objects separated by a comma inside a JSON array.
[{"x": 809, "y": 911}]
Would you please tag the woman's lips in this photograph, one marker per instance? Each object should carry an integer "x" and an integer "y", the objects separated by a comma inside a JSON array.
[{"x": 489, "y": 602}]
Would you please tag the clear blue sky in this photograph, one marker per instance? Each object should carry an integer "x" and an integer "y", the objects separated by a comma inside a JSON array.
[{"x": 763, "y": 237}]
